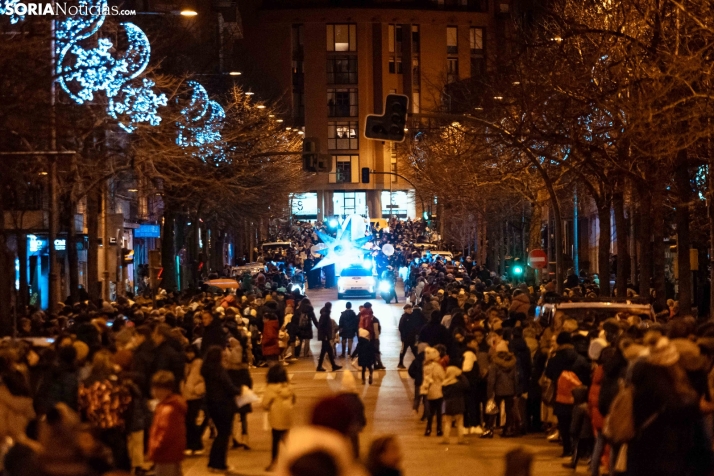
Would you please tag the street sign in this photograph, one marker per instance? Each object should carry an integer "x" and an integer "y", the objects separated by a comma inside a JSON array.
[{"x": 537, "y": 259}]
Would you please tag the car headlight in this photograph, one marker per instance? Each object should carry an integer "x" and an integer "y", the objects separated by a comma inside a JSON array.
[{"x": 385, "y": 286}]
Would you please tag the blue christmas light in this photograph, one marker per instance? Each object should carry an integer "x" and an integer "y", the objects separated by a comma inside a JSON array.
[
  {"x": 5, "y": 5},
  {"x": 93, "y": 70},
  {"x": 134, "y": 105},
  {"x": 200, "y": 126}
]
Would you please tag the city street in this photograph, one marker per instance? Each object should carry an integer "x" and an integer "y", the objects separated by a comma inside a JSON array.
[{"x": 388, "y": 406}]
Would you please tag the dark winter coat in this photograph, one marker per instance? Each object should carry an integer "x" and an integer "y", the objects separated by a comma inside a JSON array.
[
  {"x": 167, "y": 357},
  {"x": 454, "y": 396},
  {"x": 674, "y": 442},
  {"x": 220, "y": 390},
  {"x": 143, "y": 365},
  {"x": 520, "y": 349},
  {"x": 434, "y": 333},
  {"x": 59, "y": 385},
  {"x": 324, "y": 325},
  {"x": 366, "y": 354},
  {"x": 416, "y": 369},
  {"x": 410, "y": 325},
  {"x": 565, "y": 358},
  {"x": 305, "y": 331},
  {"x": 502, "y": 376},
  {"x": 349, "y": 324},
  {"x": 213, "y": 334}
]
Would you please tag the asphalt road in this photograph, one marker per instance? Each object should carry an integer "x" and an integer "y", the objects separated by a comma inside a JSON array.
[{"x": 388, "y": 407}]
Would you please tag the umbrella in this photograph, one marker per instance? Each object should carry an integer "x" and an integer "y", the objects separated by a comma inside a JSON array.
[{"x": 223, "y": 283}]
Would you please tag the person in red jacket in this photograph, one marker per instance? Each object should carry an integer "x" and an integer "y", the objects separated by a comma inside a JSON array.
[
  {"x": 366, "y": 319},
  {"x": 271, "y": 341},
  {"x": 167, "y": 439}
]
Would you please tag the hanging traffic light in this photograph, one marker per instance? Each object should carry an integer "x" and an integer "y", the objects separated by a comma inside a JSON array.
[
  {"x": 390, "y": 126},
  {"x": 310, "y": 153},
  {"x": 365, "y": 174}
]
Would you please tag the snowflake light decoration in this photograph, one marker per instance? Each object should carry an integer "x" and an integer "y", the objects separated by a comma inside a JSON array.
[
  {"x": 134, "y": 105},
  {"x": 5, "y": 5}
]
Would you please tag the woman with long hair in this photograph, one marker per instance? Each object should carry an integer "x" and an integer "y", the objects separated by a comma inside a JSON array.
[{"x": 385, "y": 457}]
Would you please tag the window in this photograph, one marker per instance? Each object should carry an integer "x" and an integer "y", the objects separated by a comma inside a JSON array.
[
  {"x": 415, "y": 73},
  {"x": 297, "y": 41},
  {"x": 341, "y": 38},
  {"x": 478, "y": 57},
  {"x": 476, "y": 39},
  {"x": 342, "y": 70},
  {"x": 478, "y": 66},
  {"x": 395, "y": 49},
  {"x": 342, "y": 135},
  {"x": 416, "y": 103},
  {"x": 346, "y": 169},
  {"x": 452, "y": 70},
  {"x": 395, "y": 39},
  {"x": 452, "y": 42},
  {"x": 342, "y": 103},
  {"x": 415, "y": 39}
]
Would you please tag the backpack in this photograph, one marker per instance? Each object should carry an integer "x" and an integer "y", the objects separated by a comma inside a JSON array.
[{"x": 566, "y": 383}]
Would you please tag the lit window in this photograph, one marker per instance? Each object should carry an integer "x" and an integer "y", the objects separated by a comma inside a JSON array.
[
  {"x": 346, "y": 169},
  {"x": 341, "y": 37},
  {"x": 452, "y": 42},
  {"x": 476, "y": 39},
  {"x": 342, "y": 135}
]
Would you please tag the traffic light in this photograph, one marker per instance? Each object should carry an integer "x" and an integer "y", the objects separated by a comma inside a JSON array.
[
  {"x": 390, "y": 125},
  {"x": 517, "y": 270},
  {"x": 365, "y": 174},
  {"x": 310, "y": 153}
]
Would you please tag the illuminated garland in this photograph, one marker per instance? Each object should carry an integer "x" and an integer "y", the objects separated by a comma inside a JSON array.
[
  {"x": 82, "y": 72},
  {"x": 201, "y": 124},
  {"x": 137, "y": 104}
]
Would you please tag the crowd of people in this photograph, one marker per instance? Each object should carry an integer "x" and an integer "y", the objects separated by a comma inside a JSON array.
[{"x": 138, "y": 386}]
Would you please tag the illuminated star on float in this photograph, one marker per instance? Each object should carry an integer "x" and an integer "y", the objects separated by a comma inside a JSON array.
[{"x": 342, "y": 249}]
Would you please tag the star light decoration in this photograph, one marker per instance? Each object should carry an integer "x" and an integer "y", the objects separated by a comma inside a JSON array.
[
  {"x": 342, "y": 249},
  {"x": 82, "y": 72},
  {"x": 200, "y": 126}
]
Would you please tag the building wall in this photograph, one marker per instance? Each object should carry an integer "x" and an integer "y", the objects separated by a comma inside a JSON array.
[{"x": 265, "y": 57}]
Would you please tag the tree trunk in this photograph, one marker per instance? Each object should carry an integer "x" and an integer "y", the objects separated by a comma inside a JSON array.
[
  {"x": 94, "y": 285},
  {"x": 621, "y": 231},
  {"x": 684, "y": 193},
  {"x": 643, "y": 238},
  {"x": 168, "y": 251},
  {"x": 604, "y": 240},
  {"x": 72, "y": 255},
  {"x": 658, "y": 248}
]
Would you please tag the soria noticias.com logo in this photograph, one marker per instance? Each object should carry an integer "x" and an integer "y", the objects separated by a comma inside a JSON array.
[{"x": 60, "y": 9}]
